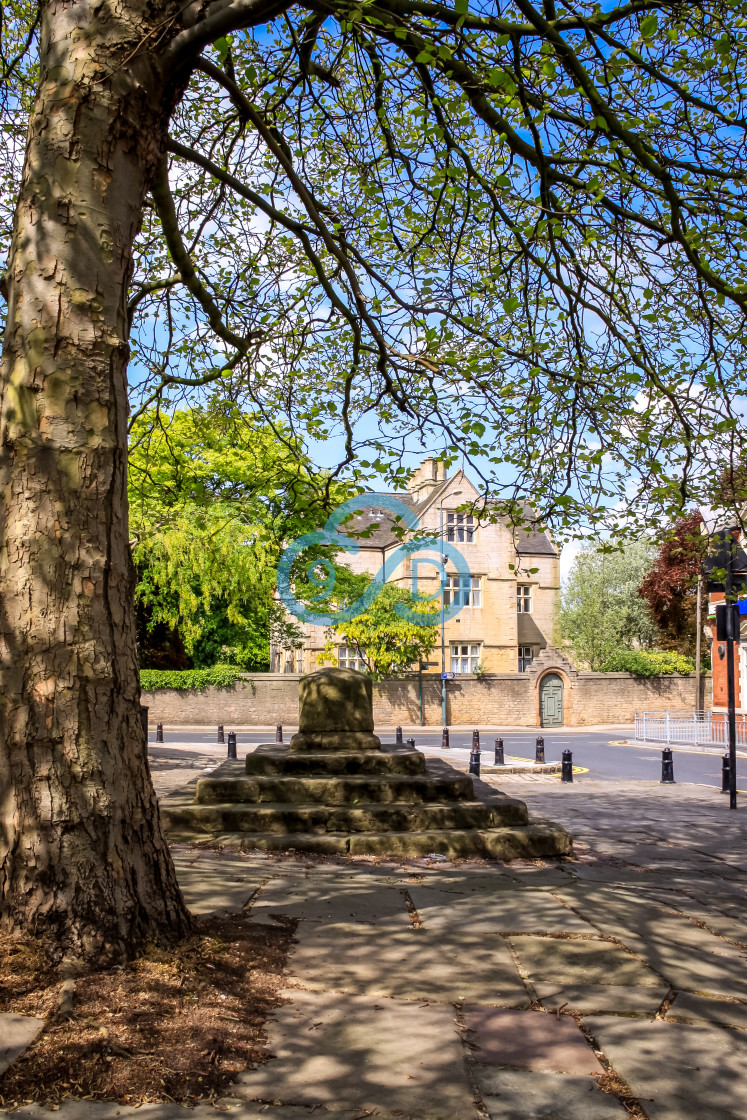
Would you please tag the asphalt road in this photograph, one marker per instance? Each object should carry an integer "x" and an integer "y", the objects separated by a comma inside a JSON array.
[{"x": 595, "y": 751}]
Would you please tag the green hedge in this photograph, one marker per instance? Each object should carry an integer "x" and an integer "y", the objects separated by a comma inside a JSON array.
[
  {"x": 648, "y": 663},
  {"x": 222, "y": 676}
]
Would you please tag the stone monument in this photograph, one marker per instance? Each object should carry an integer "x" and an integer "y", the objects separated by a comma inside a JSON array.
[
  {"x": 336, "y": 789},
  {"x": 335, "y": 712}
]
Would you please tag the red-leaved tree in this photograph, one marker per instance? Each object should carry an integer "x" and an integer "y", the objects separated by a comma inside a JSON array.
[{"x": 671, "y": 587}]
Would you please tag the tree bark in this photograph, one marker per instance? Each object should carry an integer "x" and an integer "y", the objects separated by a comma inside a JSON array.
[{"x": 83, "y": 862}]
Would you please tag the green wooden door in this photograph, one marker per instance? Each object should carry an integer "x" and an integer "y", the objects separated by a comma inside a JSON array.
[{"x": 551, "y": 701}]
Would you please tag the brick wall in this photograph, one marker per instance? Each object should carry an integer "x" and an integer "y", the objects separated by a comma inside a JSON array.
[{"x": 265, "y": 699}]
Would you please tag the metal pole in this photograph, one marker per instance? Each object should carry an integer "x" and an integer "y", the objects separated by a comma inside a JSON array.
[
  {"x": 420, "y": 692},
  {"x": 730, "y": 688},
  {"x": 698, "y": 635},
  {"x": 443, "y": 636}
]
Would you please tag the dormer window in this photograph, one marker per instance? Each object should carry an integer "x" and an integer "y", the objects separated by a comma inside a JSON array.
[{"x": 460, "y": 527}]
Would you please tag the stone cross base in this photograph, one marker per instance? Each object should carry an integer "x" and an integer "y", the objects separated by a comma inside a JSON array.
[
  {"x": 335, "y": 712},
  {"x": 335, "y": 741}
]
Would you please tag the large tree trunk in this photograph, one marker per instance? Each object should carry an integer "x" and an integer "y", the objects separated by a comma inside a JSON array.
[{"x": 83, "y": 861}]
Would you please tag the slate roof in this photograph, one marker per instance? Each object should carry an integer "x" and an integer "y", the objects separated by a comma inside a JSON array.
[
  {"x": 534, "y": 543},
  {"x": 383, "y": 537},
  {"x": 531, "y": 542}
]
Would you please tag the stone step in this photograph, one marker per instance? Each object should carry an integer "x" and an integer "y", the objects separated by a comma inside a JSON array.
[
  {"x": 384, "y": 789},
  {"x": 537, "y": 840},
  {"x": 274, "y": 760},
  {"x": 289, "y": 820}
]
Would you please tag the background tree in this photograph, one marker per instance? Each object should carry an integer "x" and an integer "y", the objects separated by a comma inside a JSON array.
[
  {"x": 387, "y": 644},
  {"x": 601, "y": 610},
  {"x": 516, "y": 231},
  {"x": 671, "y": 587},
  {"x": 214, "y": 497}
]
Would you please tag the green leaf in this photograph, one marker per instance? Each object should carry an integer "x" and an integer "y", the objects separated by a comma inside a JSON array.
[{"x": 649, "y": 26}]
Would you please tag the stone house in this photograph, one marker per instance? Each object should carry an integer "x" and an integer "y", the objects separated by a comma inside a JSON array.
[{"x": 510, "y": 598}]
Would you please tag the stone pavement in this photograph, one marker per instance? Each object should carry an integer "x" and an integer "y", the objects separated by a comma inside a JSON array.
[{"x": 607, "y": 986}]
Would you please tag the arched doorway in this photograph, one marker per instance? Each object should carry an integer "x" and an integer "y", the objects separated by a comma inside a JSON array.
[{"x": 551, "y": 701}]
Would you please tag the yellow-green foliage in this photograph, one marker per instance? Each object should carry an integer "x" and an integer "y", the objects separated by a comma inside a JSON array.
[
  {"x": 213, "y": 495},
  {"x": 388, "y": 644}
]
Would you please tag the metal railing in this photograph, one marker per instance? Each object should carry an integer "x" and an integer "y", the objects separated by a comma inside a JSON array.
[{"x": 709, "y": 728}]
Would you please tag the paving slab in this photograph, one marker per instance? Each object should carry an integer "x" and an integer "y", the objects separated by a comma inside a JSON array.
[
  {"x": 529, "y": 1039},
  {"x": 692, "y": 968},
  {"x": 677, "y": 1071},
  {"x": 407, "y": 964},
  {"x": 514, "y": 1094},
  {"x": 554, "y": 877},
  {"x": 506, "y": 911},
  {"x": 210, "y": 886},
  {"x": 17, "y": 1032},
  {"x": 489, "y": 881},
  {"x": 581, "y": 962},
  {"x": 666, "y": 935},
  {"x": 585, "y": 999},
  {"x": 326, "y": 901},
  {"x": 700, "y": 1009},
  {"x": 356, "y": 1052},
  {"x": 229, "y": 1106}
]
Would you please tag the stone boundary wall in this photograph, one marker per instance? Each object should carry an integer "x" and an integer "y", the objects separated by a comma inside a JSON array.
[{"x": 266, "y": 699}]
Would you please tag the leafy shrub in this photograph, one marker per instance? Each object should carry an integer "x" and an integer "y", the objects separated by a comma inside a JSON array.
[
  {"x": 648, "y": 663},
  {"x": 222, "y": 676}
]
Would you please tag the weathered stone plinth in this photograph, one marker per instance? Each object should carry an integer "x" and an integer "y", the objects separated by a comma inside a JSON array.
[
  {"x": 335, "y": 712},
  {"x": 335, "y": 789}
]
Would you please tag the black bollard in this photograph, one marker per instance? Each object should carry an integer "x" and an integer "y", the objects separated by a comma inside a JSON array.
[
  {"x": 499, "y": 759},
  {"x": 726, "y": 774},
  {"x": 445, "y": 739},
  {"x": 398, "y": 736},
  {"x": 566, "y": 767},
  {"x": 221, "y": 739},
  {"x": 539, "y": 750},
  {"x": 667, "y": 767},
  {"x": 279, "y": 733},
  {"x": 411, "y": 744},
  {"x": 231, "y": 744},
  {"x": 475, "y": 740},
  {"x": 159, "y": 732},
  {"x": 474, "y": 760},
  {"x": 144, "y": 719}
]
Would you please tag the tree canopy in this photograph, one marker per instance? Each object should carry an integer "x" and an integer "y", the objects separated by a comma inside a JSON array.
[
  {"x": 386, "y": 643},
  {"x": 671, "y": 587},
  {"x": 602, "y": 611},
  {"x": 213, "y": 498},
  {"x": 515, "y": 230}
]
